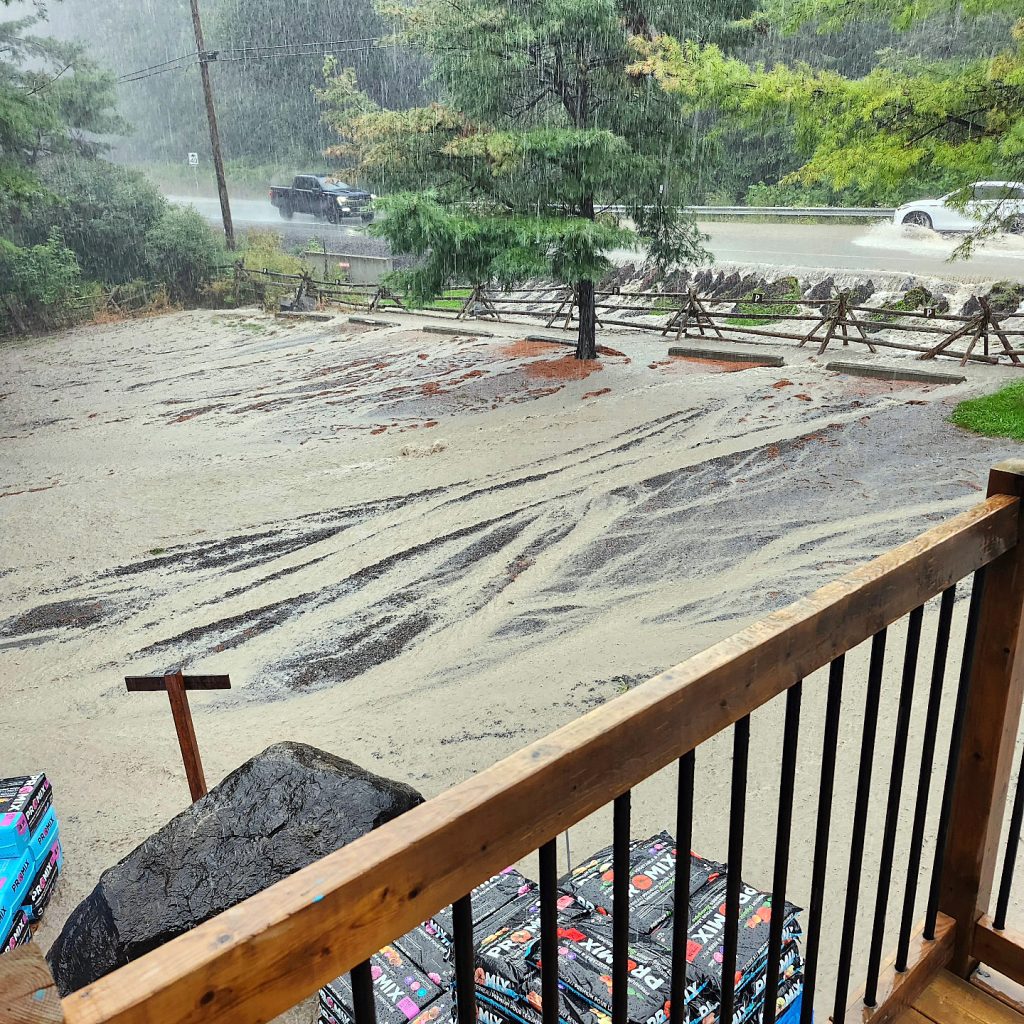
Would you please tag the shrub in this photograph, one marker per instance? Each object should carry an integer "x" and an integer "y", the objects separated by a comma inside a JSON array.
[
  {"x": 263, "y": 251},
  {"x": 38, "y": 284},
  {"x": 182, "y": 252},
  {"x": 102, "y": 211}
]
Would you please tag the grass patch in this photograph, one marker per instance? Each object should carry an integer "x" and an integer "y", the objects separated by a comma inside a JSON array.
[
  {"x": 997, "y": 415},
  {"x": 779, "y": 308}
]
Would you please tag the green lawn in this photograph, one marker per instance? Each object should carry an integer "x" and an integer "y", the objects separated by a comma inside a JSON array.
[{"x": 998, "y": 415}]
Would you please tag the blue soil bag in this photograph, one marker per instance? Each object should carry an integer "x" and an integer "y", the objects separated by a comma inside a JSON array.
[
  {"x": 45, "y": 879},
  {"x": 24, "y": 801},
  {"x": 15, "y": 879}
]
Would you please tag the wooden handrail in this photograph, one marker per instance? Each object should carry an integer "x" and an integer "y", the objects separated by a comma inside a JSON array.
[{"x": 255, "y": 960}]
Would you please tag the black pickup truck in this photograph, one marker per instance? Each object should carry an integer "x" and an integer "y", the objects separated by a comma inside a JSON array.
[{"x": 324, "y": 197}]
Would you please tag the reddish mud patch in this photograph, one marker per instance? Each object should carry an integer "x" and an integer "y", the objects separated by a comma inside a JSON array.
[
  {"x": 566, "y": 368},
  {"x": 698, "y": 364},
  {"x": 30, "y": 490},
  {"x": 597, "y": 394},
  {"x": 782, "y": 384},
  {"x": 523, "y": 349}
]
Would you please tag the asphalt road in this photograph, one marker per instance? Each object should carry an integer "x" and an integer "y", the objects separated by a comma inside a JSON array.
[{"x": 864, "y": 248}]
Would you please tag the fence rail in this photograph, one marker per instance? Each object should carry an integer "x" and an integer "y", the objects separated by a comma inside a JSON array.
[
  {"x": 266, "y": 954},
  {"x": 835, "y": 319}
]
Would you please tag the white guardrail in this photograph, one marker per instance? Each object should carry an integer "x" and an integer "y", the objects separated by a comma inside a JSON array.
[{"x": 852, "y": 212}]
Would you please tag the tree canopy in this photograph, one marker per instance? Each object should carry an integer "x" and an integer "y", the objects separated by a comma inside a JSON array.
[{"x": 547, "y": 150}]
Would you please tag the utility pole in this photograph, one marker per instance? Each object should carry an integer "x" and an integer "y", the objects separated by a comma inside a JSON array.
[{"x": 211, "y": 115}]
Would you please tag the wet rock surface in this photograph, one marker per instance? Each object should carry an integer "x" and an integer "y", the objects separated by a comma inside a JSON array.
[{"x": 278, "y": 812}]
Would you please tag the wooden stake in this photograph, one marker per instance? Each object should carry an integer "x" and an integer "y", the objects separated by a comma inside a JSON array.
[{"x": 177, "y": 686}]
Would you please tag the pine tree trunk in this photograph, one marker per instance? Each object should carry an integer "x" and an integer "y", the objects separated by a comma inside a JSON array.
[{"x": 586, "y": 341}]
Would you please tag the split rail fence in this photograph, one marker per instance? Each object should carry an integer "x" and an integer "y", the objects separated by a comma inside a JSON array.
[
  {"x": 985, "y": 336},
  {"x": 948, "y": 604}
]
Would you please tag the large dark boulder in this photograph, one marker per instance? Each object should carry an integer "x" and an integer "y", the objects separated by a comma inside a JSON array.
[{"x": 275, "y": 814}]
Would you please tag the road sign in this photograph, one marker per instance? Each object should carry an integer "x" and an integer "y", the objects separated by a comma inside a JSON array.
[{"x": 193, "y": 159}]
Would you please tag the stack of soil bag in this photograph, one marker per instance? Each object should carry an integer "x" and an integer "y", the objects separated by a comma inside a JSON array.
[
  {"x": 414, "y": 978},
  {"x": 31, "y": 857}
]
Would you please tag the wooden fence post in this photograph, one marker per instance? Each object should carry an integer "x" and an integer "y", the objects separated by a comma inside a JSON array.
[{"x": 992, "y": 716}]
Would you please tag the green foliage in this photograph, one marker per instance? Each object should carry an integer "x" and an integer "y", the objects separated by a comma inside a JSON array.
[
  {"x": 38, "y": 283},
  {"x": 916, "y": 299},
  {"x": 103, "y": 212},
  {"x": 183, "y": 253},
  {"x": 263, "y": 251},
  {"x": 997, "y": 415},
  {"x": 53, "y": 100},
  {"x": 770, "y": 312},
  {"x": 485, "y": 247},
  {"x": 911, "y": 124}
]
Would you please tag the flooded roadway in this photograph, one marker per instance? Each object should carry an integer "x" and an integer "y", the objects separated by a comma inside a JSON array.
[{"x": 880, "y": 247}]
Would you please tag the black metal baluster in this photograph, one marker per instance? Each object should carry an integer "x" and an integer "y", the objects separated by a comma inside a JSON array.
[
  {"x": 790, "y": 739},
  {"x": 1010, "y": 857},
  {"x": 681, "y": 911},
  {"x": 620, "y": 910},
  {"x": 955, "y": 740},
  {"x": 860, "y": 818},
  {"x": 924, "y": 778},
  {"x": 465, "y": 982},
  {"x": 892, "y": 810},
  {"x": 737, "y": 820},
  {"x": 548, "y": 854},
  {"x": 822, "y": 828},
  {"x": 363, "y": 1007}
]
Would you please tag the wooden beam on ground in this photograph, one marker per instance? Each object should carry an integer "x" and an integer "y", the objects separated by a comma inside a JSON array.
[
  {"x": 257, "y": 959},
  {"x": 28, "y": 993},
  {"x": 1003, "y": 951},
  {"x": 898, "y": 990}
]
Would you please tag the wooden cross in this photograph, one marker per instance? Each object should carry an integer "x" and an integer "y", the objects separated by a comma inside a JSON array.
[{"x": 177, "y": 687}]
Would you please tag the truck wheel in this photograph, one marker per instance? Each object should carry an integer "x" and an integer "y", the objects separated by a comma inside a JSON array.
[
  {"x": 334, "y": 215},
  {"x": 286, "y": 211},
  {"x": 367, "y": 217}
]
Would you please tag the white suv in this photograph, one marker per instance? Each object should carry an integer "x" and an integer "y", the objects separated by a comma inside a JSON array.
[{"x": 986, "y": 197}]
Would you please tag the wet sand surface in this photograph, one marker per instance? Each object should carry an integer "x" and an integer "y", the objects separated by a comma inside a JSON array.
[{"x": 421, "y": 552}]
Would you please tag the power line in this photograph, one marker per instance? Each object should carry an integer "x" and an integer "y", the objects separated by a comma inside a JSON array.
[
  {"x": 163, "y": 64},
  {"x": 257, "y": 52}
]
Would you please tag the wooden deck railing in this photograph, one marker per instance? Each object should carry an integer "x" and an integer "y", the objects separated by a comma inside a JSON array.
[{"x": 265, "y": 955}]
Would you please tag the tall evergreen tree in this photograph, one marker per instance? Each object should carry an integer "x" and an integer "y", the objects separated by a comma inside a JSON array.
[{"x": 551, "y": 147}]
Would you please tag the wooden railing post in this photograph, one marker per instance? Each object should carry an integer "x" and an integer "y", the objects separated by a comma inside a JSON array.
[{"x": 989, "y": 735}]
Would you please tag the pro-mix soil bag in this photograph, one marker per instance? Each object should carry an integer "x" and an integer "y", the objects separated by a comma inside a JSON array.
[
  {"x": 439, "y": 1011},
  {"x": 495, "y": 1008},
  {"x": 652, "y": 870},
  {"x": 706, "y": 934},
  {"x": 44, "y": 882},
  {"x": 19, "y": 933},
  {"x": 488, "y": 898},
  {"x": 401, "y": 990},
  {"x": 23, "y": 802},
  {"x": 585, "y": 969}
]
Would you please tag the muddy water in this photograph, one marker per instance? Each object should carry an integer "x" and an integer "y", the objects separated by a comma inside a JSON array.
[{"x": 421, "y": 552}]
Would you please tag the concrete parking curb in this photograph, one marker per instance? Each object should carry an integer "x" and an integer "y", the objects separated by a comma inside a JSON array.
[
  {"x": 896, "y": 373},
  {"x": 433, "y": 329},
  {"x": 288, "y": 314},
  {"x": 369, "y": 321},
  {"x": 727, "y": 355}
]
